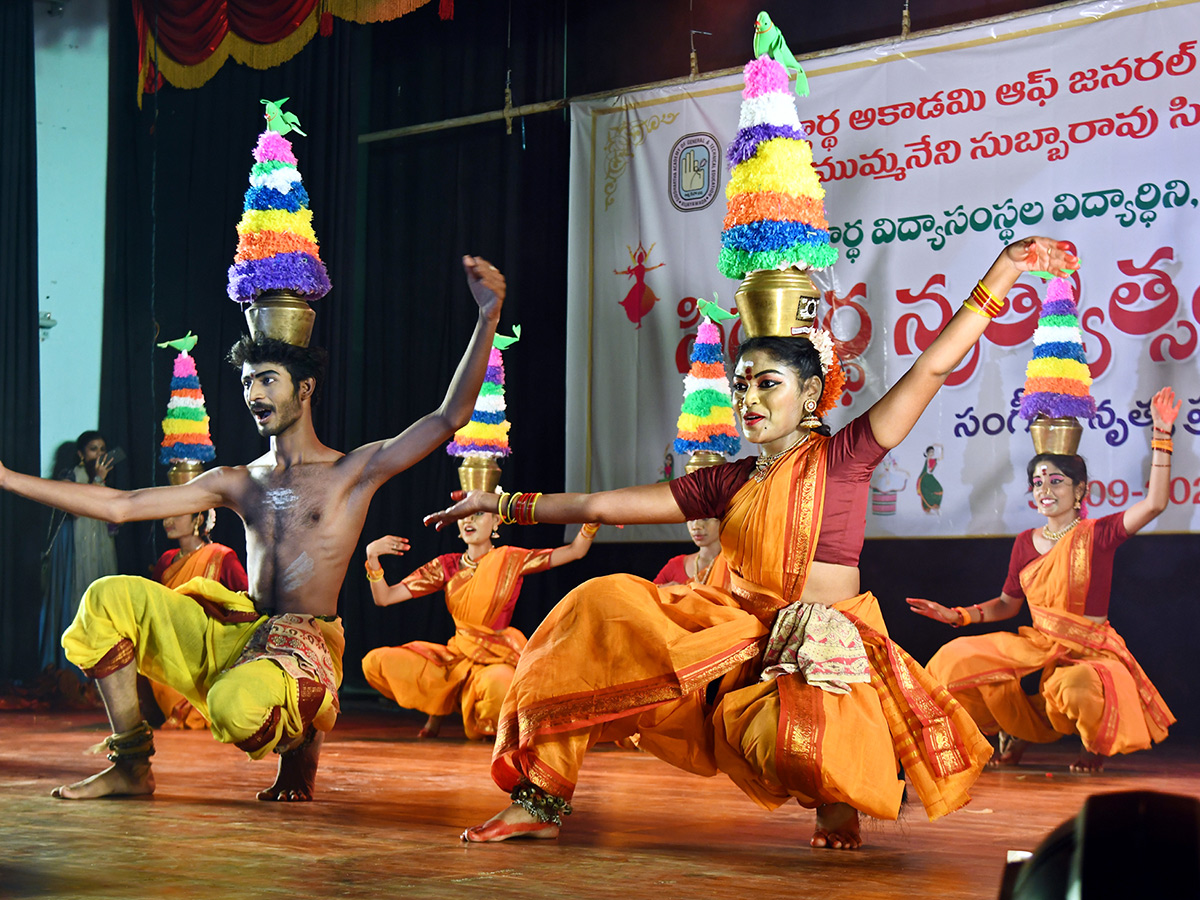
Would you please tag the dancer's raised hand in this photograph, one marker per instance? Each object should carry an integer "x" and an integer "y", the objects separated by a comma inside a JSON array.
[
  {"x": 487, "y": 284},
  {"x": 1164, "y": 409}
]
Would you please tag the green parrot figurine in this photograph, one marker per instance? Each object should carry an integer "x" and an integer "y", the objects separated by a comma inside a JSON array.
[
  {"x": 768, "y": 41},
  {"x": 503, "y": 341},
  {"x": 709, "y": 308},
  {"x": 280, "y": 121},
  {"x": 185, "y": 343}
]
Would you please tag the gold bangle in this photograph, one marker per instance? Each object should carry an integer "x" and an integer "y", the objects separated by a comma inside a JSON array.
[
  {"x": 373, "y": 575},
  {"x": 505, "y": 518},
  {"x": 964, "y": 617},
  {"x": 589, "y": 530},
  {"x": 533, "y": 509},
  {"x": 1161, "y": 445},
  {"x": 971, "y": 305}
]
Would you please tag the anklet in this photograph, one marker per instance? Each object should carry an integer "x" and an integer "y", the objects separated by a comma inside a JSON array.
[
  {"x": 136, "y": 743},
  {"x": 542, "y": 806},
  {"x": 309, "y": 734}
]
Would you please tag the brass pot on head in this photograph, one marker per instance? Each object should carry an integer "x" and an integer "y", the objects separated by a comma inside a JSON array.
[
  {"x": 282, "y": 315},
  {"x": 1059, "y": 436},
  {"x": 182, "y": 471},
  {"x": 702, "y": 459},
  {"x": 479, "y": 473},
  {"x": 774, "y": 303}
]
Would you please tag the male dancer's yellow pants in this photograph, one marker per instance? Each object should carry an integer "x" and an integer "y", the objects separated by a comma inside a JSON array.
[{"x": 188, "y": 639}]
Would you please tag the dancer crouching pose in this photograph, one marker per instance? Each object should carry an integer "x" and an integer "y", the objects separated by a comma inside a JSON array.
[
  {"x": 473, "y": 670},
  {"x": 687, "y": 675},
  {"x": 262, "y": 668},
  {"x": 1091, "y": 685}
]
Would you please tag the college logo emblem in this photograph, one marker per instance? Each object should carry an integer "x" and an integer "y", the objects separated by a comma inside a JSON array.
[{"x": 695, "y": 171}]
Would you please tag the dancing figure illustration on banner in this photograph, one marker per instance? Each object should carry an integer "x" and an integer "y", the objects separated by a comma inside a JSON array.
[{"x": 641, "y": 297}]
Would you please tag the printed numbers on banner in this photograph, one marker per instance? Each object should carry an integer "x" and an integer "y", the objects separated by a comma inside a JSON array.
[{"x": 1118, "y": 493}]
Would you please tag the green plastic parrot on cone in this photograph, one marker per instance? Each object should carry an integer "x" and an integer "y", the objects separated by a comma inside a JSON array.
[
  {"x": 768, "y": 41},
  {"x": 280, "y": 121},
  {"x": 183, "y": 344}
]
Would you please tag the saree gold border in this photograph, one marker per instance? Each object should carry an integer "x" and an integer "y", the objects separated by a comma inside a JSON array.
[
  {"x": 807, "y": 509},
  {"x": 509, "y": 573},
  {"x": 1101, "y": 640},
  {"x": 694, "y": 679},
  {"x": 923, "y": 713},
  {"x": 1079, "y": 577},
  {"x": 558, "y": 714},
  {"x": 561, "y": 713},
  {"x": 760, "y": 604},
  {"x": 1106, "y": 733},
  {"x": 798, "y": 759}
]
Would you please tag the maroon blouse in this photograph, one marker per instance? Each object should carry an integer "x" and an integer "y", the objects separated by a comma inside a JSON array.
[{"x": 853, "y": 455}]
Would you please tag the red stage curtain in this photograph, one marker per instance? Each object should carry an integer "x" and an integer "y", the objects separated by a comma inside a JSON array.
[{"x": 185, "y": 42}]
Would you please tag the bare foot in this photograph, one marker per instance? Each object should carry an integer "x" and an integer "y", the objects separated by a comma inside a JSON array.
[
  {"x": 1010, "y": 752},
  {"x": 431, "y": 727},
  {"x": 297, "y": 773},
  {"x": 121, "y": 779},
  {"x": 1088, "y": 763},
  {"x": 512, "y": 822},
  {"x": 837, "y": 827}
]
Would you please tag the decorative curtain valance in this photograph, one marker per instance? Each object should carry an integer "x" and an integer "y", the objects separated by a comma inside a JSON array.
[{"x": 186, "y": 42}]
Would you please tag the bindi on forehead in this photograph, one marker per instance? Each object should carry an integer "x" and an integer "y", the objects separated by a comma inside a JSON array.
[{"x": 747, "y": 369}]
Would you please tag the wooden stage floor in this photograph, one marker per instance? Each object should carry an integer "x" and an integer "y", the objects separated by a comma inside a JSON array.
[{"x": 390, "y": 808}]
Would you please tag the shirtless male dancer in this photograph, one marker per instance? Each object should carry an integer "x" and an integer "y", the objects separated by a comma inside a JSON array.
[{"x": 303, "y": 505}]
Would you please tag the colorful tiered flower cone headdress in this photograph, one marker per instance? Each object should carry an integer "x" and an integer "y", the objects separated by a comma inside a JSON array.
[
  {"x": 775, "y": 228},
  {"x": 277, "y": 269},
  {"x": 186, "y": 443},
  {"x": 1057, "y": 379},
  {"x": 484, "y": 440},
  {"x": 706, "y": 426}
]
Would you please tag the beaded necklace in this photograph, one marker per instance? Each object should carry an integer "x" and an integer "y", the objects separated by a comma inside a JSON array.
[
  {"x": 1053, "y": 536},
  {"x": 762, "y": 465}
]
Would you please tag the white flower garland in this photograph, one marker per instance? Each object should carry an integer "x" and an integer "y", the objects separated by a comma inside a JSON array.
[{"x": 822, "y": 340}]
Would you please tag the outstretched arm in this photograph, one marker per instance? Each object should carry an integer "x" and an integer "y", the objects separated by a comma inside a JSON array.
[
  {"x": 894, "y": 415},
  {"x": 214, "y": 488},
  {"x": 1163, "y": 410},
  {"x": 1002, "y": 607},
  {"x": 382, "y": 593},
  {"x": 643, "y": 505},
  {"x": 577, "y": 549},
  {"x": 392, "y": 456}
]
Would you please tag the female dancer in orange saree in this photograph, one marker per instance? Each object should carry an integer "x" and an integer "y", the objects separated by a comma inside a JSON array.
[
  {"x": 1090, "y": 685},
  {"x": 473, "y": 670},
  {"x": 196, "y": 557},
  {"x": 848, "y": 707}
]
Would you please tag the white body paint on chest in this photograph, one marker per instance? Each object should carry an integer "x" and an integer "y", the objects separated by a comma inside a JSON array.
[
  {"x": 299, "y": 573},
  {"x": 281, "y": 498}
]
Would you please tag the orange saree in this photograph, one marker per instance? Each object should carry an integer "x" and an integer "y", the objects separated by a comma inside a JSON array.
[
  {"x": 620, "y": 656},
  {"x": 472, "y": 671},
  {"x": 217, "y": 563},
  {"x": 1090, "y": 685}
]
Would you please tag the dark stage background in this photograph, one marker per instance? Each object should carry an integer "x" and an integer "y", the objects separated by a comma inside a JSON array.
[{"x": 394, "y": 216}]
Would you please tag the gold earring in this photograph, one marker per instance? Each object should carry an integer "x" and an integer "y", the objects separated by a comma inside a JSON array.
[
  {"x": 196, "y": 526},
  {"x": 810, "y": 419}
]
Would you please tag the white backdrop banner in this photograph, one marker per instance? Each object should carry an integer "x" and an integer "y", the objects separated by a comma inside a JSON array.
[{"x": 1082, "y": 124}]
